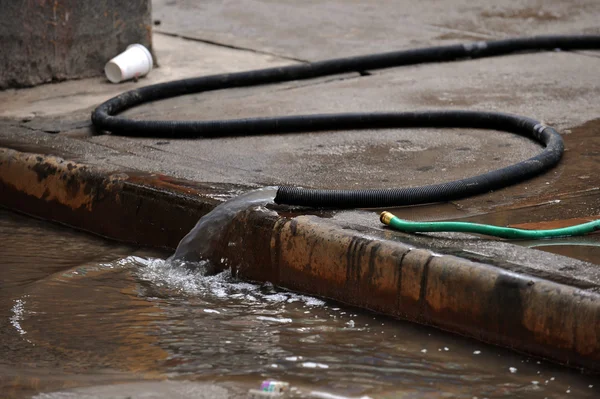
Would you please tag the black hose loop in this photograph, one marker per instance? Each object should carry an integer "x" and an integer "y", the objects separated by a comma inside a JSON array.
[{"x": 104, "y": 117}]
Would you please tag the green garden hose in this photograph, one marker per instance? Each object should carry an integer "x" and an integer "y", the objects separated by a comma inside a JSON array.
[{"x": 486, "y": 229}]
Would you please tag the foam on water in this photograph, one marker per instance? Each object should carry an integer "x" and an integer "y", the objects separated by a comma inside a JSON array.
[
  {"x": 18, "y": 311},
  {"x": 191, "y": 278}
]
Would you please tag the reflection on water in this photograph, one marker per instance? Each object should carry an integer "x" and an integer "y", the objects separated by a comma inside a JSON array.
[
  {"x": 586, "y": 249},
  {"x": 79, "y": 311}
]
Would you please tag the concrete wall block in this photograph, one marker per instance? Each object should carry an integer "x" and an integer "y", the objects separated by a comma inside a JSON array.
[{"x": 43, "y": 40}]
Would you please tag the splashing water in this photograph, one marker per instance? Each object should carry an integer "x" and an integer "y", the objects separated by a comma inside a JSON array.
[
  {"x": 191, "y": 279},
  {"x": 18, "y": 311},
  {"x": 198, "y": 244}
]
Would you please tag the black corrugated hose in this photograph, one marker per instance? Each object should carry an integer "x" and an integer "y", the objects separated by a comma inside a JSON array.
[{"x": 104, "y": 118}]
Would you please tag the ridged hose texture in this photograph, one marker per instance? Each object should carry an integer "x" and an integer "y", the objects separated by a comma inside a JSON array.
[{"x": 104, "y": 117}]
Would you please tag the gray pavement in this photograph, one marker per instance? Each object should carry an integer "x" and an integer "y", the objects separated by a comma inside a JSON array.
[{"x": 316, "y": 30}]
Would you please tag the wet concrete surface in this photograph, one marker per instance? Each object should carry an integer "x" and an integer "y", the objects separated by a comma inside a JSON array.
[
  {"x": 360, "y": 159},
  {"x": 559, "y": 89},
  {"x": 324, "y": 29},
  {"x": 176, "y": 58},
  {"x": 79, "y": 315}
]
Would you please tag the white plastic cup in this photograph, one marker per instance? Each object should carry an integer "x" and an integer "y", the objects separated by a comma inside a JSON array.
[{"x": 134, "y": 62}]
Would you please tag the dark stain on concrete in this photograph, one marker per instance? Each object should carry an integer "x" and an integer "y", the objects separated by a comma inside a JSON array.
[
  {"x": 354, "y": 254},
  {"x": 311, "y": 251},
  {"x": 423, "y": 293},
  {"x": 276, "y": 243},
  {"x": 43, "y": 170},
  {"x": 293, "y": 226},
  {"x": 73, "y": 185},
  {"x": 372, "y": 273},
  {"x": 398, "y": 272},
  {"x": 425, "y": 168},
  {"x": 505, "y": 307},
  {"x": 530, "y": 14}
]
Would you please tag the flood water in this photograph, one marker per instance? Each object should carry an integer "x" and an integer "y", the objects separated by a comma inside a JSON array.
[{"x": 77, "y": 311}]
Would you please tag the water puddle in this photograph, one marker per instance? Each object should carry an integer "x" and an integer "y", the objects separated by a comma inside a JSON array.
[{"x": 77, "y": 312}]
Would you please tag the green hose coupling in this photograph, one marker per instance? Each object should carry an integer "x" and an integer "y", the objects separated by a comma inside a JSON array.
[{"x": 486, "y": 229}]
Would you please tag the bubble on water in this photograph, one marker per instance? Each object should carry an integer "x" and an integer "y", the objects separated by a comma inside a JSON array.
[
  {"x": 312, "y": 365},
  {"x": 17, "y": 317},
  {"x": 191, "y": 278},
  {"x": 476, "y": 352},
  {"x": 513, "y": 369},
  {"x": 327, "y": 395},
  {"x": 274, "y": 319}
]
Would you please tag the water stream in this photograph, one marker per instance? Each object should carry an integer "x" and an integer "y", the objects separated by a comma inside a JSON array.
[{"x": 198, "y": 243}]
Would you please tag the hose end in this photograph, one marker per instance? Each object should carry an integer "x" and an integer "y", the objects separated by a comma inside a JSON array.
[{"x": 386, "y": 217}]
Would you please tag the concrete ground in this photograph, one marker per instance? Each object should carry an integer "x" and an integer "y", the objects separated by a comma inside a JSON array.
[{"x": 199, "y": 38}]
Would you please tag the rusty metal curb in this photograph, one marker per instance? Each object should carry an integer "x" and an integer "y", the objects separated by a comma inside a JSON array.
[{"x": 318, "y": 257}]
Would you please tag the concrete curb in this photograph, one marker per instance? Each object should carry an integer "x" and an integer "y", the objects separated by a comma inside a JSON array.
[
  {"x": 318, "y": 257},
  {"x": 136, "y": 208},
  {"x": 525, "y": 313}
]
